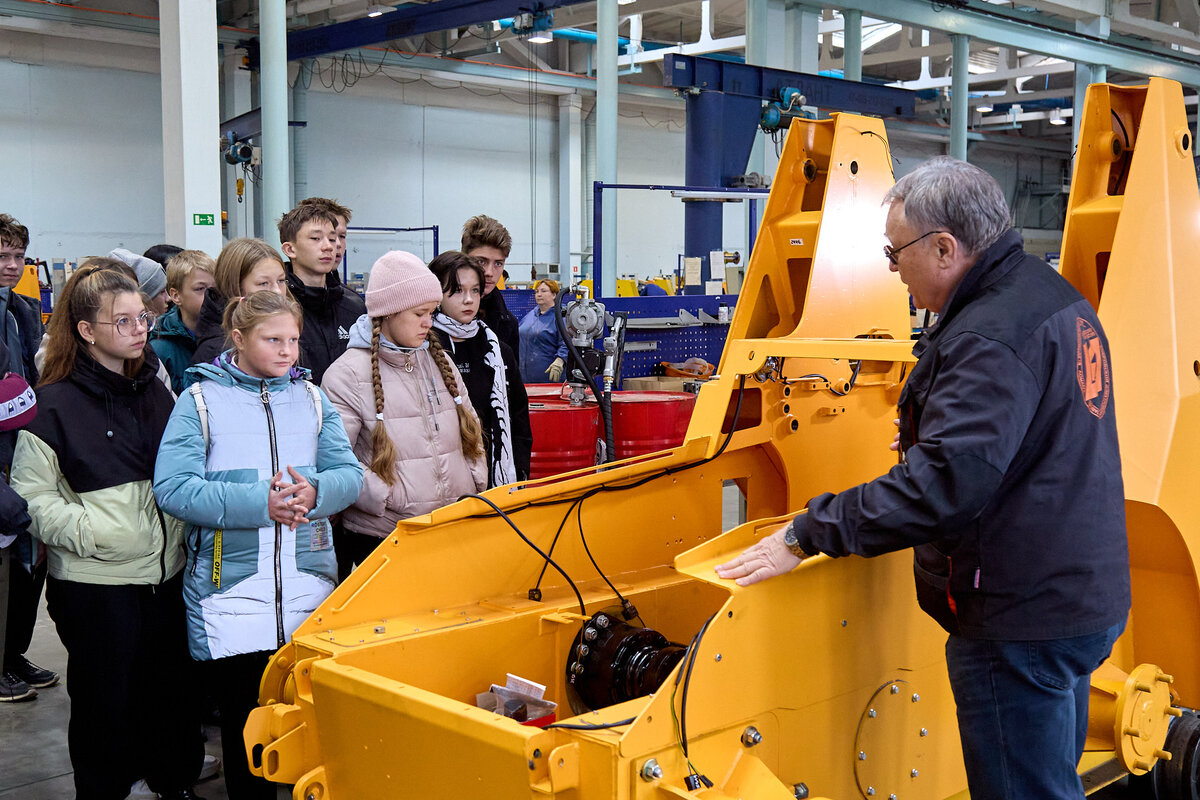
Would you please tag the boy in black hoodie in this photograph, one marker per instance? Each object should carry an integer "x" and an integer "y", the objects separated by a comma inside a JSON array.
[{"x": 309, "y": 237}]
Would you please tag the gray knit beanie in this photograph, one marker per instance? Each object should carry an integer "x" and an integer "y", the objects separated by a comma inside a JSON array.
[{"x": 152, "y": 280}]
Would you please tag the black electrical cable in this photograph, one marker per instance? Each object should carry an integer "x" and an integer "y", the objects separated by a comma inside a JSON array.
[
  {"x": 585, "y": 726},
  {"x": 578, "y": 501},
  {"x": 628, "y": 609},
  {"x": 524, "y": 538},
  {"x": 535, "y": 593},
  {"x": 687, "y": 681},
  {"x": 605, "y": 409}
]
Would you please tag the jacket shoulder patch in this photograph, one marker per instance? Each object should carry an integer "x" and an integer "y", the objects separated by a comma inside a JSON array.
[{"x": 1091, "y": 368}]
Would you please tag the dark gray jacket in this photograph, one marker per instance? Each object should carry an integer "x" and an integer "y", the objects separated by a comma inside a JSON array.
[{"x": 1010, "y": 492}]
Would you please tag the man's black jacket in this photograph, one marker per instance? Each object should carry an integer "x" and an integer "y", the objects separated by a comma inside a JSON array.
[{"x": 1010, "y": 492}]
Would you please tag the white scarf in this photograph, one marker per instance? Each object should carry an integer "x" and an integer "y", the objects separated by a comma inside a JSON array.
[{"x": 503, "y": 469}]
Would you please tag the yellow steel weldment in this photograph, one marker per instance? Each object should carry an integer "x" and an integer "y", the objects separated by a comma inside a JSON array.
[
  {"x": 1129, "y": 245},
  {"x": 827, "y": 682}
]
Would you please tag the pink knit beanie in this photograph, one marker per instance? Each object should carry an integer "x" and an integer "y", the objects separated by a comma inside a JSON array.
[{"x": 400, "y": 281}]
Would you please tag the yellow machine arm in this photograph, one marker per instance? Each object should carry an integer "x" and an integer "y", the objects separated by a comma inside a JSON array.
[{"x": 827, "y": 682}]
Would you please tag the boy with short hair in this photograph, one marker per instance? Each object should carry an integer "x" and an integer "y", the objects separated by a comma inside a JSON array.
[
  {"x": 189, "y": 275},
  {"x": 489, "y": 243},
  {"x": 309, "y": 237},
  {"x": 342, "y": 214},
  {"x": 21, "y": 318}
]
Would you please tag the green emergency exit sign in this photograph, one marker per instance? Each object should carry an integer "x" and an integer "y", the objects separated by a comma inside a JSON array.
[{"x": 204, "y": 219}]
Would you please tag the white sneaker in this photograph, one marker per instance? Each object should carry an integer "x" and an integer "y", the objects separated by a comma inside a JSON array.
[
  {"x": 209, "y": 769},
  {"x": 140, "y": 791}
]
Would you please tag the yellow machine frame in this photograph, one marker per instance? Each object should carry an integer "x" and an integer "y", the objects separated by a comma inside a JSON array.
[{"x": 834, "y": 667}]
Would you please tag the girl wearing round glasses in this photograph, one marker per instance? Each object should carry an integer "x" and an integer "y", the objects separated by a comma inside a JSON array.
[{"x": 85, "y": 466}]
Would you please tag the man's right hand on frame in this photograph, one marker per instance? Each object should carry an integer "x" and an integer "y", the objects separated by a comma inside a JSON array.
[{"x": 765, "y": 559}]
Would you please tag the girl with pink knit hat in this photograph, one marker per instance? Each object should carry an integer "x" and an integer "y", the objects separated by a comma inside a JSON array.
[{"x": 405, "y": 409}]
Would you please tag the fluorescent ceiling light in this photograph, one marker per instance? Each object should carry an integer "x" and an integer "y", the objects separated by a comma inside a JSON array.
[
  {"x": 985, "y": 108},
  {"x": 379, "y": 10},
  {"x": 626, "y": 2},
  {"x": 1056, "y": 117},
  {"x": 541, "y": 37}
]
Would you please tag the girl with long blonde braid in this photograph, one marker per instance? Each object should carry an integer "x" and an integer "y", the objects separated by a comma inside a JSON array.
[{"x": 404, "y": 407}]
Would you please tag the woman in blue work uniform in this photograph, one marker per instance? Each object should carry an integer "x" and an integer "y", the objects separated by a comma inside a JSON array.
[{"x": 543, "y": 351}]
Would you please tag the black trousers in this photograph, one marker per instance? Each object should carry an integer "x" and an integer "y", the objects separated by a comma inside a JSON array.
[
  {"x": 129, "y": 678},
  {"x": 24, "y": 593},
  {"x": 234, "y": 684},
  {"x": 352, "y": 548}
]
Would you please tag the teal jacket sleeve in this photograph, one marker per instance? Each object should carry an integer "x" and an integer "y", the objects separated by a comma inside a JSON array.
[
  {"x": 181, "y": 485},
  {"x": 338, "y": 476}
]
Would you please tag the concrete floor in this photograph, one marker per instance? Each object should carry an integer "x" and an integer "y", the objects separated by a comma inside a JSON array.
[{"x": 34, "y": 763}]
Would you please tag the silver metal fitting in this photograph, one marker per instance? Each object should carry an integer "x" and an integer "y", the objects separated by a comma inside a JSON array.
[
  {"x": 651, "y": 771},
  {"x": 751, "y": 736}
]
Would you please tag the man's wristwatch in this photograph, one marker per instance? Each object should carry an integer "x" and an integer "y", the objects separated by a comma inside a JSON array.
[{"x": 792, "y": 543}]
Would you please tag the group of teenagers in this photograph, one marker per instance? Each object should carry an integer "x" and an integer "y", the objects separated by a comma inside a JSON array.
[{"x": 210, "y": 449}]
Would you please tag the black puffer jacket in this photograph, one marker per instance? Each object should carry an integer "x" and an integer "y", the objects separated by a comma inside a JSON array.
[
  {"x": 468, "y": 355},
  {"x": 210, "y": 336},
  {"x": 494, "y": 311},
  {"x": 329, "y": 314},
  {"x": 1010, "y": 491}
]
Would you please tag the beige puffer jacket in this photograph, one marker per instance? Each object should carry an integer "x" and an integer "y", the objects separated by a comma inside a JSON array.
[{"x": 431, "y": 470}]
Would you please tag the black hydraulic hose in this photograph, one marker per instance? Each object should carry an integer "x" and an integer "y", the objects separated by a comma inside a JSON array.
[{"x": 605, "y": 408}]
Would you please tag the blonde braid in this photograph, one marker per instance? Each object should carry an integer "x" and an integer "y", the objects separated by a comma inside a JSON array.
[
  {"x": 468, "y": 426},
  {"x": 383, "y": 463}
]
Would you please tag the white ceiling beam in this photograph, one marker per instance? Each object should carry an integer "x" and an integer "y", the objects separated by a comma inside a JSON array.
[{"x": 989, "y": 77}]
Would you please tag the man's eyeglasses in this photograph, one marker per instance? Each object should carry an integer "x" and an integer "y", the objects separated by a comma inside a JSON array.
[
  {"x": 127, "y": 326},
  {"x": 891, "y": 252}
]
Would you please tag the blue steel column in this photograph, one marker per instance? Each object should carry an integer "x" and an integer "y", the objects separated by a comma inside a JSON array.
[
  {"x": 852, "y": 45},
  {"x": 704, "y": 150},
  {"x": 958, "y": 95},
  {"x": 606, "y": 139},
  {"x": 273, "y": 90}
]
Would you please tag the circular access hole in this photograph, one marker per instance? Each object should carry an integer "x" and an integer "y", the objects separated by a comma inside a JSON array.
[
  {"x": 854, "y": 166},
  {"x": 1196, "y": 367},
  {"x": 1187, "y": 141}
]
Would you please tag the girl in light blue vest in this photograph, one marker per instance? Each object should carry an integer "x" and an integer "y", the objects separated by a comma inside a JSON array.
[{"x": 255, "y": 460}]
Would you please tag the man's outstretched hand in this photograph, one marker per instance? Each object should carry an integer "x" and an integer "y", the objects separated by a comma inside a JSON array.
[{"x": 765, "y": 559}]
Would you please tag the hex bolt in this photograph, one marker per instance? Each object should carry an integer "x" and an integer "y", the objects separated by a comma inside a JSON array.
[
  {"x": 800, "y": 791},
  {"x": 892, "y": 796},
  {"x": 582, "y": 650},
  {"x": 914, "y": 773},
  {"x": 717, "y": 657},
  {"x": 916, "y": 697},
  {"x": 862, "y": 755},
  {"x": 380, "y": 629},
  {"x": 751, "y": 736},
  {"x": 601, "y": 621},
  {"x": 871, "y": 713},
  {"x": 577, "y": 668},
  {"x": 589, "y": 634},
  {"x": 651, "y": 771},
  {"x": 924, "y": 731},
  {"x": 870, "y": 791},
  {"x": 895, "y": 689}
]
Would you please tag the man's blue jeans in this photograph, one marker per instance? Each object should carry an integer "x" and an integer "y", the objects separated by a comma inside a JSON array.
[{"x": 1022, "y": 712}]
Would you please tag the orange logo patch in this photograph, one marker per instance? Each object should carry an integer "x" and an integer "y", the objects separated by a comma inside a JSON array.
[{"x": 1091, "y": 368}]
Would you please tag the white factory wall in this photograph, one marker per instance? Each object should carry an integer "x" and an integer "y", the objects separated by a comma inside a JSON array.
[
  {"x": 82, "y": 152},
  {"x": 82, "y": 155}
]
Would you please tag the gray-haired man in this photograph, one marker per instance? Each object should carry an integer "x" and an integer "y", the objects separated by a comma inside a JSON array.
[{"x": 1009, "y": 491}]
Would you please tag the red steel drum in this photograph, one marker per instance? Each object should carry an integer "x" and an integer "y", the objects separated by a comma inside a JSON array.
[
  {"x": 564, "y": 436},
  {"x": 541, "y": 390},
  {"x": 644, "y": 422}
]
